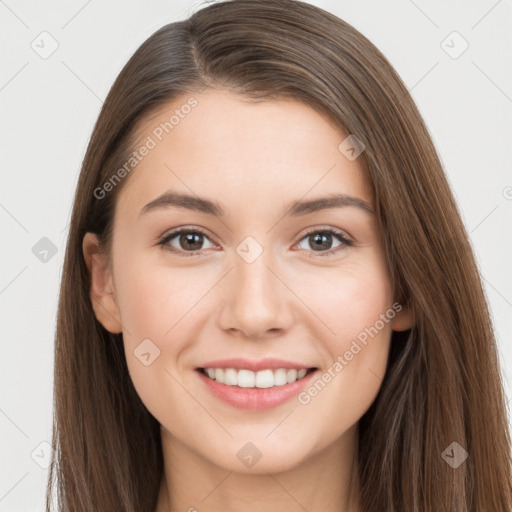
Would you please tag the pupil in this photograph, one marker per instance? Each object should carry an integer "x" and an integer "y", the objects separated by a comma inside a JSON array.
[
  {"x": 317, "y": 240},
  {"x": 190, "y": 239}
]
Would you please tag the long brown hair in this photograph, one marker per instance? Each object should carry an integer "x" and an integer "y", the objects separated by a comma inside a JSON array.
[{"x": 443, "y": 383}]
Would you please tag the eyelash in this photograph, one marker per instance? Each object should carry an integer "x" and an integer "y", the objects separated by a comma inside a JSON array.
[{"x": 166, "y": 238}]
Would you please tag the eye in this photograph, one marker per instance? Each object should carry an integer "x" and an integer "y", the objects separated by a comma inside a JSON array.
[
  {"x": 319, "y": 239},
  {"x": 188, "y": 239},
  {"x": 191, "y": 241}
]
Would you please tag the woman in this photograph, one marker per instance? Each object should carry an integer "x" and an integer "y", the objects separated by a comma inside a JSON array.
[{"x": 330, "y": 347}]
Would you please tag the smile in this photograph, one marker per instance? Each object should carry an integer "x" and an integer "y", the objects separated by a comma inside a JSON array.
[
  {"x": 255, "y": 390},
  {"x": 261, "y": 379}
]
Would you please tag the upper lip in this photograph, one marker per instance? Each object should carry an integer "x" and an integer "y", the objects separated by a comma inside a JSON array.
[{"x": 254, "y": 365}]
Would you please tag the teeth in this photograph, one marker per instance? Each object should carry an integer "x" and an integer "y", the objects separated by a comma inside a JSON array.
[
  {"x": 264, "y": 379},
  {"x": 245, "y": 378},
  {"x": 250, "y": 379},
  {"x": 230, "y": 377},
  {"x": 291, "y": 376},
  {"x": 280, "y": 377}
]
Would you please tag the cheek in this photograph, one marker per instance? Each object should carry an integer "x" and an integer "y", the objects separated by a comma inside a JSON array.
[
  {"x": 155, "y": 299},
  {"x": 154, "y": 304},
  {"x": 356, "y": 308},
  {"x": 351, "y": 299},
  {"x": 160, "y": 308}
]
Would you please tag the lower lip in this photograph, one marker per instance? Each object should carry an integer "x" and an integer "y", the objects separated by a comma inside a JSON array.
[{"x": 256, "y": 399}]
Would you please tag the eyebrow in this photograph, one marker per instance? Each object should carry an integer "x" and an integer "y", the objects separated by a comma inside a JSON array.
[{"x": 295, "y": 209}]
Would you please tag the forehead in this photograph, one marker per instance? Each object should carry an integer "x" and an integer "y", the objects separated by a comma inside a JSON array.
[{"x": 222, "y": 145}]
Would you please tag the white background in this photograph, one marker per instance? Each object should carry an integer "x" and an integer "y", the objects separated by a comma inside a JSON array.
[{"x": 49, "y": 106}]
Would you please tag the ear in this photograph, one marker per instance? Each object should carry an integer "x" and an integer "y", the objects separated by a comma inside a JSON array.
[
  {"x": 102, "y": 295},
  {"x": 403, "y": 320}
]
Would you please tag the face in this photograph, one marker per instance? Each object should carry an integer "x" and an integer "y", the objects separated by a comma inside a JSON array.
[{"x": 306, "y": 286}]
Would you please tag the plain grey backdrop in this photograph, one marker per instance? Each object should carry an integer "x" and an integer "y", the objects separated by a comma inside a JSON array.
[{"x": 58, "y": 61}]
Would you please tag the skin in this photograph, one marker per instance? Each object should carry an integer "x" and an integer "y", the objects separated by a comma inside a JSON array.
[{"x": 292, "y": 302}]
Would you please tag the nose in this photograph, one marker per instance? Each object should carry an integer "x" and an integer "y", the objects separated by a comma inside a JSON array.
[{"x": 255, "y": 301}]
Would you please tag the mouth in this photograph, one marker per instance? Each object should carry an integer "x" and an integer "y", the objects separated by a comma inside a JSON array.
[
  {"x": 261, "y": 379},
  {"x": 259, "y": 390}
]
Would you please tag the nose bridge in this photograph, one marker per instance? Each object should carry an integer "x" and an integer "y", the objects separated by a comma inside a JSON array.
[
  {"x": 255, "y": 282},
  {"x": 254, "y": 278},
  {"x": 255, "y": 302}
]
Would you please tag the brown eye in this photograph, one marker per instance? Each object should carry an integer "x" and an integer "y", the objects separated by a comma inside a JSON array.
[
  {"x": 191, "y": 241},
  {"x": 185, "y": 241},
  {"x": 321, "y": 241}
]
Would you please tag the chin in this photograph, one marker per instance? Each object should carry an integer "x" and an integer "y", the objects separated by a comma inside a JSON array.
[{"x": 258, "y": 458}]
